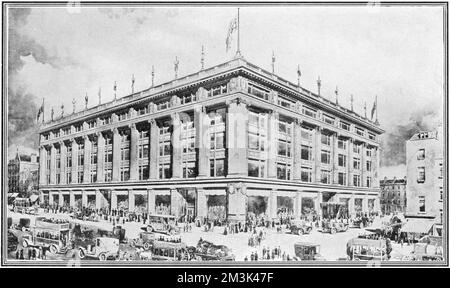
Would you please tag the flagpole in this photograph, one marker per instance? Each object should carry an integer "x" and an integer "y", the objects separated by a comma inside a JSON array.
[
  {"x": 238, "y": 53},
  {"x": 376, "y": 109},
  {"x": 43, "y": 109}
]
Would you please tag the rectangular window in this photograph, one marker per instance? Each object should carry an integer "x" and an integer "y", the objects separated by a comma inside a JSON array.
[
  {"x": 372, "y": 136},
  {"x": 342, "y": 144},
  {"x": 356, "y": 163},
  {"x": 344, "y": 125},
  {"x": 143, "y": 151},
  {"x": 283, "y": 171},
  {"x": 306, "y": 174},
  {"x": 369, "y": 152},
  {"x": 217, "y": 167},
  {"x": 256, "y": 168},
  {"x": 309, "y": 111},
  {"x": 328, "y": 119},
  {"x": 258, "y": 91},
  {"x": 93, "y": 176},
  {"x": 284, "y": 149},
  {"x": 422, "y": 204},
  {"x": 124, "y": 174},
  {"x": 164, "y": 171},
  {"x": 306, "y": 152},
  {"x": 357, "y": 180},
  {"x": 69, "y": 177},
  {"x": 284, "y": 102},
  {"x": 369, "y": 182},
  {"x": 342, "y": 160},
  {"x": 80, "y": 176},
  {"x": 342, "y": 178},
  {"x": 325, "y": 157},
  {"x": 325, "y": 139},
  {"x": 108, "y": 175},
  {"x": 357, "y": 148},
  {"x": 189, "y": 170},
  {"x": 359, "y": 131},
  {"x": 143, "y": 172},
  {"x": 421, "y": 154},
  {"x": 420, "y": 174},
  {"x": 306, "y": 134},
  {"x": 369, "y": 166},
  {"x": 325, "y": 176}
]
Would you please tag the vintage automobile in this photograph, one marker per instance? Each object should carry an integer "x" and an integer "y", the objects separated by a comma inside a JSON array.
[
  {"x": 13, "y": 241},
  {"x": 369, "y": 249},
  {"x": 101, "y": 248},
  {"x": 305, "y": 251},
  {"x": 24, "y": 224},
  {"x": 429, "y": 248},
  {"x": 333, "y": 227},
  {"x": 162, "y": 224},
  {"x": 54, "y": 235},
  {"x": 300, "y": 227},
  {"x": 360, "y": 222},
  {"x": 24, "y": 206},
  {"x": 168, "y": 251},
  {"x": 207, "y": 251},
  {"x": 145, "y": 240}
]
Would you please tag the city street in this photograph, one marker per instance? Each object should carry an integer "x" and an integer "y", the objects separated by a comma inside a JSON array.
[{"x": 332, "y": 247}]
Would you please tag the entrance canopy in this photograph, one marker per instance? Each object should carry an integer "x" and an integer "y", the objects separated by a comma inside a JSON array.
[{"x": 421, "y": 226}]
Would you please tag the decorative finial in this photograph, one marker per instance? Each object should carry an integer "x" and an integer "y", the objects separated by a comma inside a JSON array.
[
  {"x": 86, "y": 99},
  {"x": 99, "y": 95},
  {"x": 132, "y": 83},
  {"x": 115, "y": 90},
  {"x": 52, "y": 113},
  {"x": 153, "y": 75},
  {"x": 273, "y": 62},
  {"x": 365, "y": 109},
  {"x": 176, "y": 66},
  {"x": 299, "y": 74},
  {"x": 202, "y": 60},
  {"x": 73, "y": 103},
  {"x": 62, "y": 110},
  {"x": 351, "y": 101},
  {"x": 337, "y": 93},
  {"x": 319, "y": 83}
]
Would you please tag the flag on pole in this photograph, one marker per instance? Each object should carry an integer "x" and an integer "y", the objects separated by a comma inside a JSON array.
[
  {"x": 231, "y": 28},
  {"x": 40, "y": 111},
  {"x": 374, "y": 108}
]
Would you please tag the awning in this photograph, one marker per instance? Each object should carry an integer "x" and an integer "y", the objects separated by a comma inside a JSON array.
[
  {"x": 33, "y": 198},
  {"x": 422, "y": 226}
]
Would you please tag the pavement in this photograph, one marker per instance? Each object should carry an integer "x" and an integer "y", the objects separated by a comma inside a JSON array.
[{"x": 332, "y": 247}]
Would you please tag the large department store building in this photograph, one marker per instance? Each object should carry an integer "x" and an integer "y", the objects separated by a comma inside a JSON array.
[{"x": 233, "y": 137}]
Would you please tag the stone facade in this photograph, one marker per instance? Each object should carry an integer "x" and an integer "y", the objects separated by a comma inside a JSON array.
[{"x": 233, "y": 136}]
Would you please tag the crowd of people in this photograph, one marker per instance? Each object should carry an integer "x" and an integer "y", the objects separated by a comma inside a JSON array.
[{"x": 274, "y": 254}]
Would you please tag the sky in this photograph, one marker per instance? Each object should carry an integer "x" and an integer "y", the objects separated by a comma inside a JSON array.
[{"x": 395, "y": 53}]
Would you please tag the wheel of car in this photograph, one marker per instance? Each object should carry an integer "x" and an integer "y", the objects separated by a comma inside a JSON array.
[
  {"x": 147, "y": 246},
  {"x": 300, "y": 231},
  {"x": 333, "y": 231},
  {"x": 102, "y": 257},
  {"x": 53, "y": 249},
  {"x": 198, "y": 258},
  {"x": 149, "y": 229},
  {"x": 81, "y": 253},
  {"x": 25, "y": 243}
]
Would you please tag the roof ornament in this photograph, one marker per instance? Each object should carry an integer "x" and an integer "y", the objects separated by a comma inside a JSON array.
[
  {"x": 176, "y": 63},
  {"x": 99, "y": 95},
  {"x": 74, "y": 102},
  {"x": 273, "y": 62},
  {"x": 319, "y": 83},
  {"x": 153, "y": 76},
  {"x": 299, "y": 74},
  {"x": 86, "y": 99},
  {"x": 62, "y": 110},
  {"x": 337, "y": 94},
  {"x": 115, "y": 90},
  {"x": 202, "y": 60},
  {"x": 132, "y": 83},
  {"x": 351, "y": 102}
]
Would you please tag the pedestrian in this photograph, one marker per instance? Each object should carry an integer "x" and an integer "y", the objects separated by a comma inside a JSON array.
[
  {"x": 17, "y": 254},
  {"x": 21, "y": 255},
  {"x": 34, "y": 254},
  {"x": 29, "y": 253}
]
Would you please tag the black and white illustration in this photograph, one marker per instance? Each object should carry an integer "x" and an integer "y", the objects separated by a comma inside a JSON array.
[{"x": 233, "y": 134}]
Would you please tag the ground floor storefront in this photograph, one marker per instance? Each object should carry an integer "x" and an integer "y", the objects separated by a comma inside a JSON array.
[{"x": 218, "y": 200}]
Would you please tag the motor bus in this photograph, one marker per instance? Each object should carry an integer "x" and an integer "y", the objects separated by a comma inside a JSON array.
[
  {"x": 169, "y": 251},
  {"x": 48, "y": 233}
]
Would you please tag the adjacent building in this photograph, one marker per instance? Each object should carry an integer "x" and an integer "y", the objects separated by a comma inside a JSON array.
[
  {"x": 425, "y": 172},
  {"x": 393, "y": 195},
  {"x": 23, "y": 173},
  {"x": 227, "y": 140}
]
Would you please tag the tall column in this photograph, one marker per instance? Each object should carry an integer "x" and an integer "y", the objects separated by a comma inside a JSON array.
[
  {"x": 87, "y": 160},
  {"x": 201, "y": 205},
  {"x": 100, "y": 157},
  {"x": 71, "y": 199},
  {"x": 376, "y": 165},
  {"x": 134, "y": 146},
  {"x": 74, "y": 161},
  {"x": 42, "y": 164},
  {"x": 237, "y": 202},
  {"x": 151, "y": 205},
  {"x": 84, "y": 199},
  {"x": 350, "y": 162},
  {"x": 363, "y": 165},
  {"x": 153, "y": 141},
  {"x": 297, "y": 147},
  {"x": 60, "y": 198},
  {"x": 175, "y": 199},
  {"x": 53, "y": 164},
  {"x": 318, "y": 150},
  {"x": 334, "y": 157},
  {"x": 351, "y": 205},
  {"x": 272, "y": 133},
  {"x": 98, "y": 199},
  {"x": 177, "y": 171},
  {"x": 63, "y": 162},
  {"x": 201, "y": 123},
  {"x": 113, "y": 199},
  {"x": 298, "y": 204},
  {"x": 365, "y": 204},
  {"x": 318, "y": 201},
  {"x": 377, "y": 205},
  {"x": 272, "y": 207},
  {"x": 116, "y": 155},
  {"x": 51, "y": 200},
  {"x": 236, "y": 138},
  {"x": 131, "y": 200}
]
